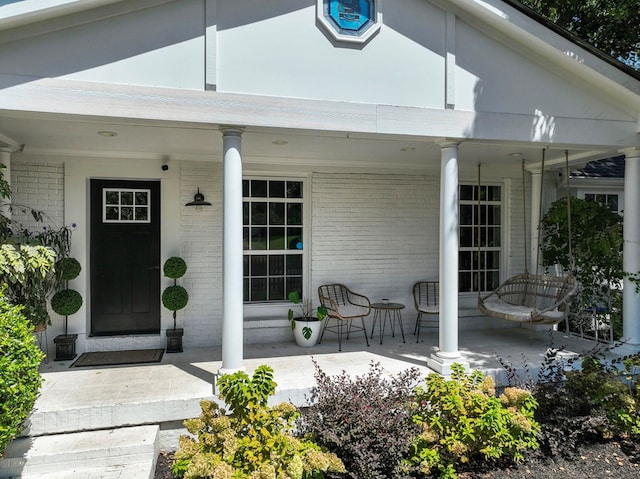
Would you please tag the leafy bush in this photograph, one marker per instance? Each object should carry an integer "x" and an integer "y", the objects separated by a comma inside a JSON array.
[
  {"x": 463, "y": 421},
  {"x": 365, "y": 420},
  {"x": 254, "y": 441},
  {"x": 28, "y": 272},
  {"x": 599, "y": 401},
  {"x": 20, "y": 380}
]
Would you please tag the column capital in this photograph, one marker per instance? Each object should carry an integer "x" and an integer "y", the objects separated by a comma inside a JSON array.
[
  {"x": 631, "y": 152},
  {"x": 229, "y": 130},
  {"x": 448, "y": 143}
]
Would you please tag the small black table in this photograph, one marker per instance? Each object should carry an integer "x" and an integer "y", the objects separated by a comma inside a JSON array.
[{"x": 384, "y": 312}]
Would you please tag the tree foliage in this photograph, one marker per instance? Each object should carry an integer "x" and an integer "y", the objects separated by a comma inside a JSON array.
[{"x": 612, "y": 26}]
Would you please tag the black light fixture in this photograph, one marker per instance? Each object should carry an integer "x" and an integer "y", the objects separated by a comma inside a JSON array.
[{"x": 198, "y": 201}]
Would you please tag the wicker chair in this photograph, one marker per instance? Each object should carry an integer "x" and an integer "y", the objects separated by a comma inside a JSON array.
[
  {"x": 426, "y": 298},
  {"x": 343, "y": 306}
]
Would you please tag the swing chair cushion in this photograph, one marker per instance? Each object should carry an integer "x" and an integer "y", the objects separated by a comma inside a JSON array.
[{"x": 528, "y": 297}]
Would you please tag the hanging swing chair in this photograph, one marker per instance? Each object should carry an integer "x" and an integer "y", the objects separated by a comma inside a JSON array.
[{"x": 526, "y": 297}]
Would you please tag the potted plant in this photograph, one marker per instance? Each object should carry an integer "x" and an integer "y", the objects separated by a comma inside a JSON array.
[
  {"x": 66, "y": 302},
  {"x": 306, "y": 327},
  {"x": 174, "y": 298}
]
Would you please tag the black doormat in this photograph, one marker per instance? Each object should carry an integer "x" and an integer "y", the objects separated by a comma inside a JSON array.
[{"x": 113, "y": 358}]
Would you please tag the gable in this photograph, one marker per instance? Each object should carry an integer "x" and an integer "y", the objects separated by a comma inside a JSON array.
[{"x": 431, "y": 56}]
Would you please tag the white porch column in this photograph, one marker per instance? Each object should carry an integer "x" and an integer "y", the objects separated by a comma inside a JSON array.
[
  {"x": 448, "y": 341},
  {"x": 631, "y": 252},
  {"x": 536, "y": 192},
  {"x": 5, "y": 159},
  {"x": 232, "y": 309}
]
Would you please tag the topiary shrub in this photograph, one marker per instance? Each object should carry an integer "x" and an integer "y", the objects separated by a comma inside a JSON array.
[
  {"x": 175, "y": 298},
  {"x": 174, "y": 268},
  {"x": 365, "y": 420},
  {"x": 68, "y": 269},
  {"x": 254, "y": 441},
  {"x": 20, "y": 380},
  {"x": 66, "y": 302},
  {"x": 464, "y": 422}
]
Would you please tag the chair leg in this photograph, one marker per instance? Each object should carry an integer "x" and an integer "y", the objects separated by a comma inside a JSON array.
[
  {"x": 417, "y": 328},
  {"x": 364, "y": 328},
  {"x": 340, "y": 326},
  {"x": 324, "y": 326}
]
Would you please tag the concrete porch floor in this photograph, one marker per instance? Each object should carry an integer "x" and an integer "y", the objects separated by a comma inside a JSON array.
[{"x": 188, "y": 375}]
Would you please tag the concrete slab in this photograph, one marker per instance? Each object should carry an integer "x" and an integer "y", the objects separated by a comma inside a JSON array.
[{"x": 67, "y": 454}]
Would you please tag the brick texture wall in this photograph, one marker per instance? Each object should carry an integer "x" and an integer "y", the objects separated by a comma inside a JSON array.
[{"x": 39, "y": 186}]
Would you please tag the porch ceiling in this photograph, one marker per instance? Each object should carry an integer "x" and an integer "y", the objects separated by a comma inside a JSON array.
[{"x": 68, "y": 135}]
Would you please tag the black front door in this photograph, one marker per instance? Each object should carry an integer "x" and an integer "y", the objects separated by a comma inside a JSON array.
[{"x": 125, "y": 257}]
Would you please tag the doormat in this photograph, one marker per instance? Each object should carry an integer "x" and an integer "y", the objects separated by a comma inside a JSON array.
[{"x": 114, "y": 358}]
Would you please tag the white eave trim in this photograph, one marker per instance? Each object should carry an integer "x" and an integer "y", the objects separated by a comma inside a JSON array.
[{"x": 30, "y": 11}]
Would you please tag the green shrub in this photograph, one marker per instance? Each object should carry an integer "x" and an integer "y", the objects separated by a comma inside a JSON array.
[
  {"x": 175, "y": 298},
  {"x": 68, "y": 269},
  {"x": 66, "y": 302},
  {"x": 20, "y": 380},
  {"x": 175, "y": 267},
  {"x": 254, "y": 441},
  {"x": 365, "y": 420},
  {"x": 463, "y": 421}
]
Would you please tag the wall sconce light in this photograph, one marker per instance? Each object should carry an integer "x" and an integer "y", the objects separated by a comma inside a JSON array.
[{"x": 198, "y": 201}]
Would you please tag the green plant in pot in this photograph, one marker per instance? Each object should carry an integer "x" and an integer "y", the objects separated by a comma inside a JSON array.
[
  {"x": 308, "y": 324},
  {"x": 175, "y": 298},
  {"x": 66, "y": 302}
]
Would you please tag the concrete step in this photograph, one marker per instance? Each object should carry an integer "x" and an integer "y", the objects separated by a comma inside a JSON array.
[
  {"x": 129, "y": 452},
  {"x": 89, "y": 399}
]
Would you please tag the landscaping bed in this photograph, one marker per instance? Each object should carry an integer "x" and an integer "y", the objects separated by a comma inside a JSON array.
[{"x": 594, "y": 461}]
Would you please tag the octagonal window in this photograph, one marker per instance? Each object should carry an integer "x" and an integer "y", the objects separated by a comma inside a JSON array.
[{"x": 349, "y": 20}]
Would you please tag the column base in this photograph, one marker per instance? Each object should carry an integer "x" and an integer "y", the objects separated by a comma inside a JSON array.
[
  {"x": 442, "y": 365},
  {"x": 626, "y": 349}
]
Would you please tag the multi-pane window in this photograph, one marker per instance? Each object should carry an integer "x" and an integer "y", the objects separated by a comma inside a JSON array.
[
  {"x": 479, "y": 268},
  {"x": 273, "y": 238},
  {"x": 608, "y": 199},
  {"x": 126, "y": 205}
]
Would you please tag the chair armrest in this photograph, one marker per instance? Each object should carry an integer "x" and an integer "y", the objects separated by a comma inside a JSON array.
[{"x": 359, "y": 300}]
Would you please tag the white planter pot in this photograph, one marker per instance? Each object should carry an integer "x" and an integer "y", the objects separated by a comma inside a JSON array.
[{"x": 307, "y": 333}]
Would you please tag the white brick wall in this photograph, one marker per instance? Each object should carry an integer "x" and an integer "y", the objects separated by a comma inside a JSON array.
[
  {"x": 201, "y": 248},
  {"x": 39, "y": 186},
  {"x": 378, "y": 234}
]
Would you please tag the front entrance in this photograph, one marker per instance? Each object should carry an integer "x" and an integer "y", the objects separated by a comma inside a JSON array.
[{"x": 125, "y": 257}]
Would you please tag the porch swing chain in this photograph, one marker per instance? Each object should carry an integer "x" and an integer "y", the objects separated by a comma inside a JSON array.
[
  {"x": 572, "y": 264},
  {"x": 478, "y": 230},
  {"x": 524, "y": 219},
  {"x": 538, "y": 236}
]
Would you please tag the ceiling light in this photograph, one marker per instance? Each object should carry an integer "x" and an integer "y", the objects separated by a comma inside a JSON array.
[
  {"x": 107, "y": 133},
  {"x": 515, "y": 154},
  {"x": 279, "y": 142},
  {"x": 407, "y": 148}
]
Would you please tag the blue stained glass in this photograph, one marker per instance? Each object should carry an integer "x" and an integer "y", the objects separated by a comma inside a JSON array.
[{"x": 351, "y": 14}]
